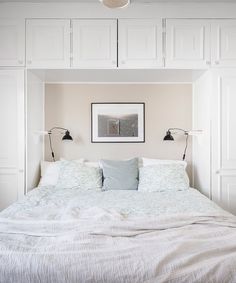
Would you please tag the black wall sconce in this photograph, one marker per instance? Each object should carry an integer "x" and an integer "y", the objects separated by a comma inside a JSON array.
[
  {"x": 66, "y": 137},
  {"x": 169, "y": 137}
]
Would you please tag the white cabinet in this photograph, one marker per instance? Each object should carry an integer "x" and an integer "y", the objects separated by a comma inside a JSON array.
[
  {"x": 187, "y": 43},
  {"x": 94, "y": 43},
  {"x": 48, "y": 43},
  {"x": 223, "y": 138},
  {"x": 12, "y": 42},
  {"x": 140, "y": 43},
  {"x": 12, "y": 167},
  {"x": 223, "y": 42}
]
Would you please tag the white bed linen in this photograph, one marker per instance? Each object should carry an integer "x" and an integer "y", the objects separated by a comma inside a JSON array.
[{"x": 116, "y": 236}]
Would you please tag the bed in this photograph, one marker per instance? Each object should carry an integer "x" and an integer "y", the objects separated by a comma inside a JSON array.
[{"x": 58, "y": 235}]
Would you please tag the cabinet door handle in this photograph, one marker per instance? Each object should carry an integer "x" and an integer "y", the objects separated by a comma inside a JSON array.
[
  {"x": 208, "y": 63},
  {"x": 122, "y": 62},
  {"x": 29, "y": 62},
  {"x": 20, "y": 62},
  {"x": 217, "y": 62},
  {"x": 21, "y": 170},
  {"x": 114, "y": 62}
]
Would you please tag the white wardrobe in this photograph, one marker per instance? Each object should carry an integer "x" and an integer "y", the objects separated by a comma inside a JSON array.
[
  {"x": 67, "y": 43},
  {"x": 12, "y": 141}
]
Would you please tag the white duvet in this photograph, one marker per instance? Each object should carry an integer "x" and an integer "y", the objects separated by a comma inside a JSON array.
[{"x": 117, "y": 236}]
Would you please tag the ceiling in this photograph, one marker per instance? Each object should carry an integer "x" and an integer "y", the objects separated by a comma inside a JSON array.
[{"x": 132, "y": 1}]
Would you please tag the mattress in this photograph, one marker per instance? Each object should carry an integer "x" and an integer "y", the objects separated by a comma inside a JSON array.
[{"x": 120, "y": 236}]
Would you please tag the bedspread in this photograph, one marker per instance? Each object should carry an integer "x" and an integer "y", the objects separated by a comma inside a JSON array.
[
  {"x": 116, "y": 237},
  {"x": 102, "y": 246}
]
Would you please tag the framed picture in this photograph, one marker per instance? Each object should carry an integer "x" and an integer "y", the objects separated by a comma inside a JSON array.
[{"x": 118, "y": 122}]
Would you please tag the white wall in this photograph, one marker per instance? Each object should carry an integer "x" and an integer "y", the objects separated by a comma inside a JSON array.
[{"x": 68, "y": 105}]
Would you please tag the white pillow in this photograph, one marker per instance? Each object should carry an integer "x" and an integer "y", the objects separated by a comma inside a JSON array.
[
  {"x": 163, "y": 177},
  {"x": 150, "y": 161},
  {"x": 77, "y": 175},
  {"x": 49, "y": 173}
]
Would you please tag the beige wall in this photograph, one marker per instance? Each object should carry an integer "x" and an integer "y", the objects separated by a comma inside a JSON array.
[{"x": 68, "y": 105}]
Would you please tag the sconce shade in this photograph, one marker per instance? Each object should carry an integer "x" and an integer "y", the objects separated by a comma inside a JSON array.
[
  {"x": 115, "y": 3},
  {"x": 67, "y": 136},
  {"x": 168, "y": 136}
]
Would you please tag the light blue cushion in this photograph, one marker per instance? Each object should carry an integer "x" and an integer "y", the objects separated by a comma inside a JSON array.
[{"x": 120, "y": 175}]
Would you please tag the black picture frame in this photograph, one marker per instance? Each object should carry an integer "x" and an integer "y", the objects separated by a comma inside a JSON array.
[{"x": 141, "y": 122}]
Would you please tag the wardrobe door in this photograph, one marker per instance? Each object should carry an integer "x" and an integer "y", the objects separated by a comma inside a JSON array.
[
  {"x": 48, "y": 43},
  {"x": 223, "y": 139},
  {"x": 94, "y": 43},
  {"x": 223, "y": 34},
  {"x": 140, "y": 43},
  {"x": 12, "y": 167},
  {"x": 12, "y": 42},
  {"x": 187, "y": 43}
]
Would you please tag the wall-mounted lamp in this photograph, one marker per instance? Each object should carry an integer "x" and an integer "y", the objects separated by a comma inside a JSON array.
[
  {"x": 115, "y": 3},
  {"x": 171, "y": 131},
  {"x": 169, "y": 137},
  {"x": 66, "y": 137}
]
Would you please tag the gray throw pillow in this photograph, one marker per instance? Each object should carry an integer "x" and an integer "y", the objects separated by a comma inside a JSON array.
[{"x": 120, "y": 175}]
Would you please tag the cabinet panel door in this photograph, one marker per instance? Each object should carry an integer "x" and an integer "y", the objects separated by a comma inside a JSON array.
[
  {"x": 228, "y": 121},
  {"x": 48, "y": 43},
  {"x": 228, "y": 193},
  {"x": 224, "y": 43},
  {"x": 140, "y": 43},
  {"x": 187, "y": 43},
  {"x": 223, "y": 138},
  {"x": 12, "y": 143},
  {"x": 94, "y": 43},
  {"x": 12, "y": 43}
]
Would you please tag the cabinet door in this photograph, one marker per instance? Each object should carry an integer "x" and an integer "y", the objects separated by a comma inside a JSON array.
[
  {"x": 140, "y": 43},
  {"x": 94, "y": 43},
  {"x": 187, "y": 44},
  {"x": 224, "y": 43},
  {"x": 12, "y": 43},
  {"x": 12, "y": 139},
  {"x": 48, "y": 43},
  {"x": 223, "y": 139}
]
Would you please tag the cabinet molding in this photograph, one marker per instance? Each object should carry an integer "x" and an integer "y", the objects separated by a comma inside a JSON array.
[
  {"x": 223, "y": 42},
  {"x": 94, "y": 43},
  {"x": 48, "y": 43},
  {"x": 12, "y": 43},
  {"x": 188, "y": 43},
  {"x": 140, "y": 43}
]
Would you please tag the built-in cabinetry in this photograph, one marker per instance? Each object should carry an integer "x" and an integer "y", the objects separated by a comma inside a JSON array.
[
  {"x": 12, "y": 142},
  {"x": 12, "y": 42},
  {"x": 223, "y": 42},
  {"x": 200, "y": 43},
  {"x": 140, "y": 43},
  {"x": 94, "y": 43},
  {"x": 188, "y": 43},
  {"x": 223, "y": 138},
  {"x": 48, "y": 43}
]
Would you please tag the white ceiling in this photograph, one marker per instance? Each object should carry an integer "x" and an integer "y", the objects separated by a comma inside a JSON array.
[{"x": 132, "y": 1}]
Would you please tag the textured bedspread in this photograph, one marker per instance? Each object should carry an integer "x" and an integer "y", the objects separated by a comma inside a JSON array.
[{"x": 54, "y": 236}]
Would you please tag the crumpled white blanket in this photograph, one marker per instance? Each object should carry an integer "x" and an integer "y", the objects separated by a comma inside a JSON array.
[{"x": 104, "y": 246}]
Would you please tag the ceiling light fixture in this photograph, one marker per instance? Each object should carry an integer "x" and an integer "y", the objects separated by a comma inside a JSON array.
[{"x": 115, "y": 3}]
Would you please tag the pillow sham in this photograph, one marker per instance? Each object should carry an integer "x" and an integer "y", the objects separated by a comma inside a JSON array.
[
  {"x": 163, "y": 177},
  {"x": 120, "y": 175},
  {"x": 76, "y": 175},
  {"x": 152, "y": 161},
  {"x": 49, "y": 173}
]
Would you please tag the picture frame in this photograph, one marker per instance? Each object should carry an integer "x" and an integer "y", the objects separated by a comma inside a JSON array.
[{"x": 118, "y": 122}]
